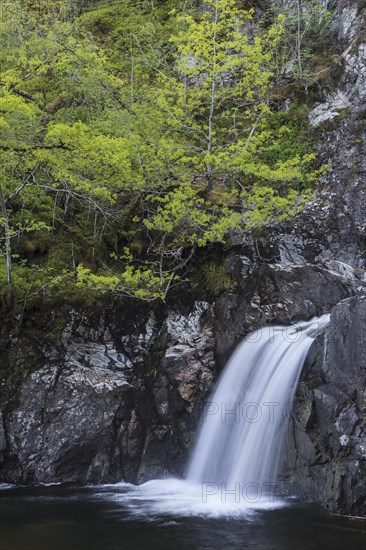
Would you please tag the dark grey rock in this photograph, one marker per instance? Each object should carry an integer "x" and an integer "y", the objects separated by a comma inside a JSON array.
[
  {"x": 279, "y": 294},
  {"x": 109, "y": 400},
  {"x": 63, "y": 427},
  {"x": 3, "y": 444},
  {"x": 326, "y": 456}
]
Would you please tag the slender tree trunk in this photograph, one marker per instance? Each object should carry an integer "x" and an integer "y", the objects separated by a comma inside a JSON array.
[
  {"x": 212, "y": 99},
  {"x": 299, "y": 38},
  {"x": 9, "y": 283}
]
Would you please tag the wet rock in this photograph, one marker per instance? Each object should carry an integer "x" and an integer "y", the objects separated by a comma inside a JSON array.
[
  {"x": 183, "y": 377},
  {"x": 326, "y": 458},
  {"x": 281, "y": 294},
  {"x": 109, "y": 399},
  {"x": 3, "y": 444},
  {"x": 62, "y": 429}
]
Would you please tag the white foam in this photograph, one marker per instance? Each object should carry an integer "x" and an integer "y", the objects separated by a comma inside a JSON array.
[{"x": 181, "y": 498}]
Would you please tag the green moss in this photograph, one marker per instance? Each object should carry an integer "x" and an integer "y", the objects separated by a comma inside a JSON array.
[{"x": 214, "y": 278}]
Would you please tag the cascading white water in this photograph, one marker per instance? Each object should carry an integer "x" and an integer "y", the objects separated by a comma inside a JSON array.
[
  {"x": 241, "y": 435},
  {"x": 244, "y": 421}
]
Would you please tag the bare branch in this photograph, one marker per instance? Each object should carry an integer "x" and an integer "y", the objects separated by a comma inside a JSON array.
[
  {"x": 22, "y": 184},
  {"x": 17, "y": 91}
]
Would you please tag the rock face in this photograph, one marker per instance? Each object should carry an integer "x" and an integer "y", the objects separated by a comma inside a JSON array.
[
  {"x": 281, "y": 294},
  {"x": 333, "y": 227},
  {"x": 326, "y": 459},
  {"x": 109, "y": 399},
  {"x": 115, "y": 396},
  {"x": 326, "y": 448},
  {"x": 183, "y": 361},
  {"x": 65, "y": 427}
]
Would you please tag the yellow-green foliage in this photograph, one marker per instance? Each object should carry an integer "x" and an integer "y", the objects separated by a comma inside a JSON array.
[{"x": 133, "y": 135}]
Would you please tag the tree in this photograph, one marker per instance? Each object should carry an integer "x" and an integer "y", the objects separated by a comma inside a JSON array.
[
  {"x": 120, "y": 160},
  {"x": 216, "y": 135},
  {"x": 303, "y": 50},
  {"x": 51, "y": 161}
]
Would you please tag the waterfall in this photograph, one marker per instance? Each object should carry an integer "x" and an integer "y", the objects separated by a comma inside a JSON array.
[
  {"x": 244, "y": 421},
  {"x": 235, "y": 461}
]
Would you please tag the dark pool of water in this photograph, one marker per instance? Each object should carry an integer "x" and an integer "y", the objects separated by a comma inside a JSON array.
[{"x": 57, "y": 518}]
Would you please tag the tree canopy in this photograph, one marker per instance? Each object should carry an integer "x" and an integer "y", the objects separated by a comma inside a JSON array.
[{"x": 131, "y": 136}]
